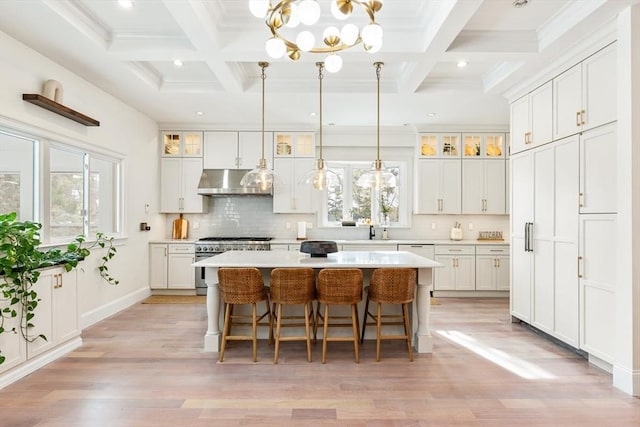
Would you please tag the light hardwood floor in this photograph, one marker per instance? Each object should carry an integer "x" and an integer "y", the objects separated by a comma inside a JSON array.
[{"x": 144, "y": 367}]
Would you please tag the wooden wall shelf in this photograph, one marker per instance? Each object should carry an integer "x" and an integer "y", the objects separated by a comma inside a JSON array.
[{"x": 47, "y": 104}]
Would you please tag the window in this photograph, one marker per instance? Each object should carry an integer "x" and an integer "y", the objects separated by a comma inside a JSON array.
[
  {"x": 347, "y": 201},
  {"x": 82, "y": 189},
  {"x": 18, "y": 176}
]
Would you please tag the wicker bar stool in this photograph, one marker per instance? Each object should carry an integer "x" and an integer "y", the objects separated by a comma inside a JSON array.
[
  {"x": 339, "y": 286},
  {"x": 390, "y": 286},
  {"x": 292, "y": 286},
  {"x": 243, "y": 286}
]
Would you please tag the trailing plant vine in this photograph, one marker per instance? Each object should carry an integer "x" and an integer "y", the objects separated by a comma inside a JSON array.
[{"x": 20, "y": 262}]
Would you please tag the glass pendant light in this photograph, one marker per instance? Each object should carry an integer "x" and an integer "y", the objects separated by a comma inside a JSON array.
[
  {"x": 377, "y": 177},
  {"x": 321, "y": 177},
  {"x": 261, "y": 177}
]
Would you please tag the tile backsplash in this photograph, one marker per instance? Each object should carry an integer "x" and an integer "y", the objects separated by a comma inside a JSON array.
[{"x": 253, "y": 216}]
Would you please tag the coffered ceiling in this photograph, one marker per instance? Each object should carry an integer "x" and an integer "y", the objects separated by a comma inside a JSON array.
[{"x": 130, "y": 53}]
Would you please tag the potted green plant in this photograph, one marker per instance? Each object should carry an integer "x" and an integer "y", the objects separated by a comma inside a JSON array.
[{"x": 21, "y": 260}]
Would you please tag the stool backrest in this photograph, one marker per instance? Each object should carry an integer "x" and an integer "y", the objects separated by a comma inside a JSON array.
[
  {"x": 292, "y": 285},
  {"x": 393, "y": 285},
  {"x": 241, "y": 285},
  {"x": 340, "y": 285}
]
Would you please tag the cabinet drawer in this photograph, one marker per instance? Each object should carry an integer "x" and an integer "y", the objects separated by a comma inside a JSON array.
[
  {"x": 492, "y": 250},
  {"x": 455, "y": 250},
  {"x": 182, "y": 249}
]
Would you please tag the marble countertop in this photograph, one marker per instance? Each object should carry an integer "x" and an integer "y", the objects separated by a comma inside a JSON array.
[
  {"x": 277, "y": 241},
  {"x": 355, "y": 259}
]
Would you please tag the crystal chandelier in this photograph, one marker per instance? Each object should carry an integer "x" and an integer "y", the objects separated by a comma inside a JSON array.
[{"x": 291, "y": 24}]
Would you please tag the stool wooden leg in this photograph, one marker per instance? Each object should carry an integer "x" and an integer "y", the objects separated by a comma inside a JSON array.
[
  {"x": 225, "y": 330},
  {"x": 356, "y": 334},
  {"x": 378, "y": 331},
  {"x": 325, "y": 327},
  {"x": 366, "y": 315},
  {"x": 407, "y": 330},
  {"x": 307, "y": 331},
  {"x": 254, "y": 324},
  {"x": 277, "y": 337}
]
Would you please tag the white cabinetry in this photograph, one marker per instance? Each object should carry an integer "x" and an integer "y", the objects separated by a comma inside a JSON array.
[
  {"x": 483, "y": 186},
  {"x": 483, "y": 145},
  {"x": 290, "y": 193},
  {"x": 181, "y": 144},
  {"x": 531, "y": 119},
  {"x": 371, "y": 247},
  {"x": 598, "y": 153},
  {"x": 179, "y": 180},
  {"x": 438, "y": 189},
  {"x": 597, "y": 284},
  {"x": 434, "y": 145},
  {"x": 236, "y": 150},
  {"x": 57, "y": 312},
  {"x": 492, "y": 268},
  {"x": 294, "y": 144},
  {"x": 585, "y": 95},
  {"x": 458, "y": 268},
  {"x": 544, "y": 230},
  {"x": 13, "y": 346},
  {"x": 170, "y": 266}
]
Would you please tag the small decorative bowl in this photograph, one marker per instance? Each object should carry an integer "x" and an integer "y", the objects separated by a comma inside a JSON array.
[{"x": 318, "y": 248}]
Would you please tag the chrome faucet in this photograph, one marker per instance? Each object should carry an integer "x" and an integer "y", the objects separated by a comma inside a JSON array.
[{"x": 372, "y": 232}]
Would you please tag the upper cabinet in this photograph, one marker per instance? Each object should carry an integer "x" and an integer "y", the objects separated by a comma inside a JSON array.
[
  {"x": 294, "y": 144},
  {"x": 433, "y": 145},
  {"x": 236, "y": 150},
  {"x": 181, "y": 144},
  {"x": 531, "y": 119},
  {"x": 483, "y": 186},
  {"x": 438, "y": 187},
  {"x": 180, "y": 170},
  {"x": 483, "y": 145},
  {"x": 585, "y": 95}
]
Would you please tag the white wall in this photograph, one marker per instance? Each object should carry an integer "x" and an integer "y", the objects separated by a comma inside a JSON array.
[{"x": 122, "y": 130}]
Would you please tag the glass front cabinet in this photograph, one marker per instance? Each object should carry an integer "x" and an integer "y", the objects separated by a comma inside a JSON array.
[
  {"x": 438, "y": 145},
  {"x": 483, "y": 145},
  {"x": 182, "y": 144}
]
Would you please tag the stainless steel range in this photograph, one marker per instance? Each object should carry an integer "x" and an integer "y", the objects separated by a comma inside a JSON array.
[{"x": 210, "y": 246}]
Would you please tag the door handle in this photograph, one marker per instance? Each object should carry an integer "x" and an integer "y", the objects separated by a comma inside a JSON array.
[
  {"x": 580, "y": 275},
  {"x": 530, "y": 237},
  {"x": 526, "y": 237}
]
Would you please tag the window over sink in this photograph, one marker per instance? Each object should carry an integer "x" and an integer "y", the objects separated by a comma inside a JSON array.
[{"x": 345, "y": 201}]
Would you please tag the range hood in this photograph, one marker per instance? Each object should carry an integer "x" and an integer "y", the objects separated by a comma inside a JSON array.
[{"x": 226, "y": 182}]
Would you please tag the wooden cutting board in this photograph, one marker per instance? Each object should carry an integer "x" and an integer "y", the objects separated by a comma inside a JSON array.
[{"x": 180, "y": 228}]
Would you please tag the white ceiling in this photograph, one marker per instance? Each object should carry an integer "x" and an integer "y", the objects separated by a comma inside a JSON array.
[{"x": 130, "y": 53}]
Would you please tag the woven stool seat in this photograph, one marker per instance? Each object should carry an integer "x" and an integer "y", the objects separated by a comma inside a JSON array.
[
  {"x": 292, "y": 286},
  {"x": 243, "y": 286},
  {"x": 339, "y": 286},
  {"x": 390, "y": 286}
]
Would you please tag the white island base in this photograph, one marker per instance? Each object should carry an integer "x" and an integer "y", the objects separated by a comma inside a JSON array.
[{"x": 367, "y": 261}]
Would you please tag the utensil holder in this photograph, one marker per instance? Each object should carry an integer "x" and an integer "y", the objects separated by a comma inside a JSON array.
[{"x": 456, "y": 234}]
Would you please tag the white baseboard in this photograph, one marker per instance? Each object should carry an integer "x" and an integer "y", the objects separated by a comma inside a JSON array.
[
  {"x": 626, "y": 380},
  {"x": 602, "y": 364},
  {"x": 94, "y": 316},
  {"x": 38, "y": 362},
  {"x": 471, "y": 294}
]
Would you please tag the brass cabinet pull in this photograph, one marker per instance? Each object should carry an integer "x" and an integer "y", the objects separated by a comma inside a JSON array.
[
  {"x": 577, "y": 118},
  {"x": 527, "y": 137},
  {"x": 582, "y": 114},
  {"x": 579, "y": 261},
  {"x": 498, "y": 259},
  {"x": 581, "y": 200}
]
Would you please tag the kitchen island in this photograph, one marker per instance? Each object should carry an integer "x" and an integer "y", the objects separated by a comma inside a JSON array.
[{"x": 366, "y": 260}]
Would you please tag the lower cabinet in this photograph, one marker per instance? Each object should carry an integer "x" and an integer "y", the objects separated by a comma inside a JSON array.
[
  {"x": 56, "y": 317},
  {"x": 170, "y": 266},
  {"x": 371, "y": 247},
  {"x": 492, "y": 268},
  {"x": 458, "y": 271}
]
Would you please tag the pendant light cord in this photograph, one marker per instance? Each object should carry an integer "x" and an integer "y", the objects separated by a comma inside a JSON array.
[
  {"x": 320, "y": 76},
  {"x": 378, "y": 67},
  {"x": 263, "y": 77}
]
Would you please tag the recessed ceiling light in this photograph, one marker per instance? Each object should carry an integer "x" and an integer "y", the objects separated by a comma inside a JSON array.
[
  {"x": 127, "y": 4},
  {"x": 520, "y": 3},
  {"x": 462, "y": 63},
  {"x": 431, "y": 114},
  {"x": 178, "y": 63},
  {"x": 199, "y": 113}
]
